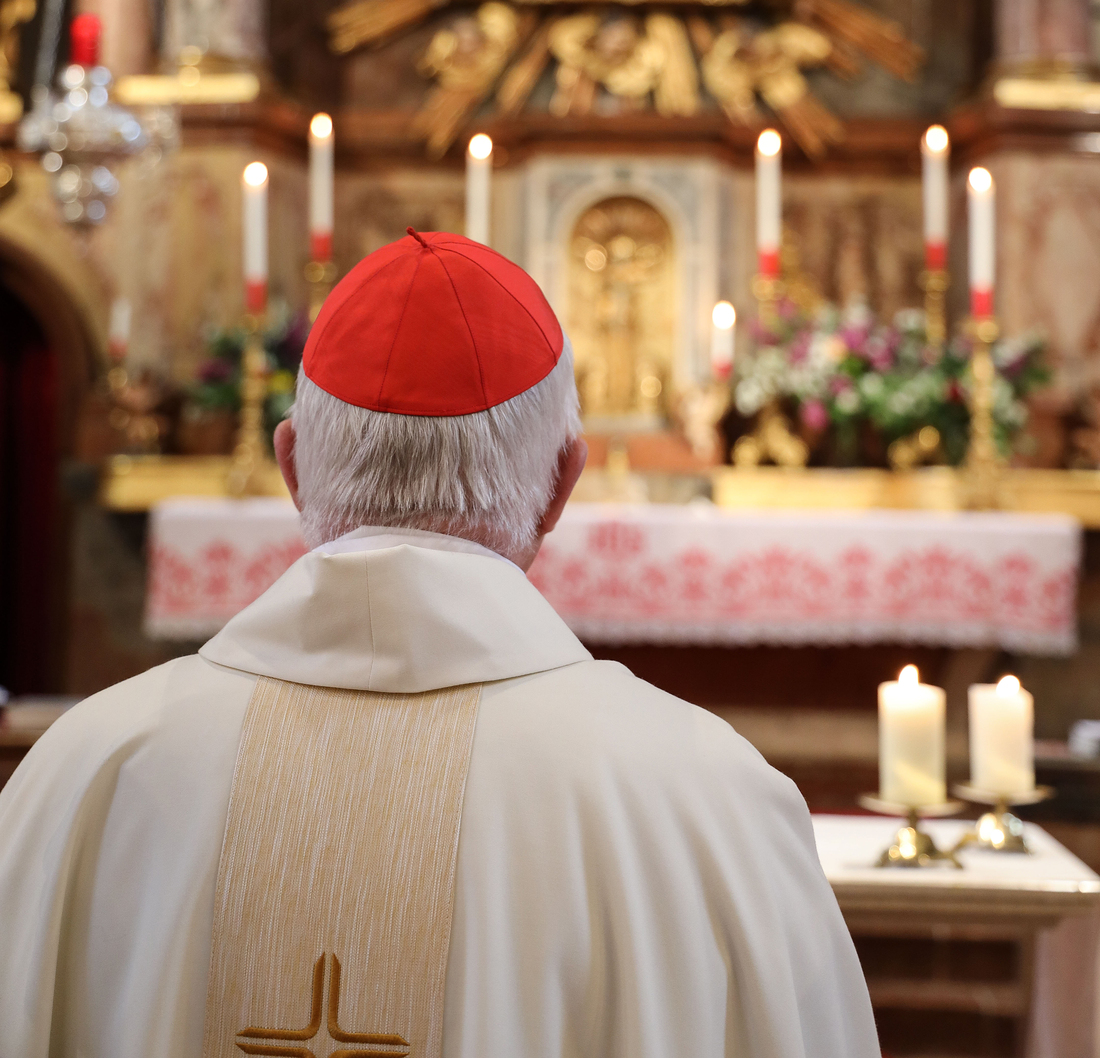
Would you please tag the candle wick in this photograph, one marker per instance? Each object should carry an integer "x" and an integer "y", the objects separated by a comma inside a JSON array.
[{"x": 416, "y": 235}]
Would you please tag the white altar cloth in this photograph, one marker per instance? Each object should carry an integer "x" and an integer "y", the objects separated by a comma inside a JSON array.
[{"x": 695, "y": 574}]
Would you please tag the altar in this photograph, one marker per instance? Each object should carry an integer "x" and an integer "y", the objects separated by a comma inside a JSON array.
[{"x": 695, "y": 574}]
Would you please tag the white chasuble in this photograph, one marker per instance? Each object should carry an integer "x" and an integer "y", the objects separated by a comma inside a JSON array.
[
  {"x": 631, "y": 880},
  {"x": 332, "y": 913}
]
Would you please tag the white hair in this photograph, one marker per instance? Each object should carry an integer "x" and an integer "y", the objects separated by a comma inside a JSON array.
[{"x": 487, "y": 476}]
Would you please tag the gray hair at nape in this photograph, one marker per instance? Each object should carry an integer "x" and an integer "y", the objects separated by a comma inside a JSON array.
[{"x": 487, "y": 476}]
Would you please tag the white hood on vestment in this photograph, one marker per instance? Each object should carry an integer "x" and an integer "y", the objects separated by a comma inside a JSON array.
[{"x": 633, "y": 879}]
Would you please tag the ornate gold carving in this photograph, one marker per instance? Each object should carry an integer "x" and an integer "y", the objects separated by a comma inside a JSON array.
[
  {"x": 737, "y": 65},
  {"x": 880, "y": 39},
  {"x": 372, "y": 21},
  {"x": 466, "y": 60},
  {"x": 524, "y": 75},
  {"x": 13, "y": 13},
  {"x": 630, "y": 60},
  {"x": 373, "y": 1039}
]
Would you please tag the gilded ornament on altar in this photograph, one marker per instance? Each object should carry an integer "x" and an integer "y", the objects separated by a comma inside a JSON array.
[
  {"x": 465, "y": 60},
  {"x": 621, "y": 302},
  {"x": 629, "y": 58}
]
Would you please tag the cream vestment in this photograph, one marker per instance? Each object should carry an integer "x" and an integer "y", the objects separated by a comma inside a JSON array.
[{"x": 632, "y": 878}]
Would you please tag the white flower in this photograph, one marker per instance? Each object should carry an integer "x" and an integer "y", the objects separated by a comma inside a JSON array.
[{"x": 848, "y": 401}]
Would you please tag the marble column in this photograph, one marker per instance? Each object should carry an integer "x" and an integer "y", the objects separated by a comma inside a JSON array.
[
  {"x": 233, "y": 30},
  {"x": 1039, "y": 37}
]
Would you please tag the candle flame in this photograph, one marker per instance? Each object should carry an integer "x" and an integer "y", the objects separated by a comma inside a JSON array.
[
  {"x": 1008, "y": 686},
  {"x": 724, "y": 315},
  {"x": 769, "y": 143},
  {"x": 981, "y": 179},
  {"x": 321, "y": 126},
  {"x": 255, "y": 174},
  {"x": 936, "y": 138},
  {"x": 909, "y": 676},
  {"x": 481, "y": 146}
]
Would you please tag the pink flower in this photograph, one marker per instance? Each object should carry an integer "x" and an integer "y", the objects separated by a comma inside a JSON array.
[{"x": 814, "y": 415}]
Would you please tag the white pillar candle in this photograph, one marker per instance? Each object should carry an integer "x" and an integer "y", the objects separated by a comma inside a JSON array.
[
  {"x": 479, "y": 166},
  {"x": 118, "y": 331},
  {"x": 722, "y": 338},
  {"x": 1002, "y": 726},
  {"x": 320, "y": 187},
  {"x": 935, "y": 148},
  {"x": 911, "y": 741},
  {"x": 983, "y": 247},
  {"x": 769, "y": 210},
  {"x": 255, "y": 236}
]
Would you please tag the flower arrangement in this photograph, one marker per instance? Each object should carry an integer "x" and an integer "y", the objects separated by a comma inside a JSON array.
[
  {"x": 857, "y": 385},
  {"x": 217, "y": 385}
]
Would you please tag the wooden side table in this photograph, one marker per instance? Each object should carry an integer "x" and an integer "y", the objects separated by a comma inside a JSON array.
[{"x": 949, "y": 955}]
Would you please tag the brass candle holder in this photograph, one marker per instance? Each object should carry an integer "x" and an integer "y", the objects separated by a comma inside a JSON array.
[
  {"x": 998, "y": 830},
  {"x": 934, "y": 282},
  {"x": 320, "y": 275},
  {"x": 912, "y": 847},
  {"x": 251, "y": 450},
  {"x": 982, "y": 462}
]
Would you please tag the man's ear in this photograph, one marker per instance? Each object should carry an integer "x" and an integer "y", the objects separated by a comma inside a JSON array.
[
  {"x": 284, "y": 455},
  {"x": 570, "y": 464}
]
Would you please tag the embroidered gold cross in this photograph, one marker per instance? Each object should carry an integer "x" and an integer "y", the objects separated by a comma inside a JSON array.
[{"x": 285, "y": 1050}]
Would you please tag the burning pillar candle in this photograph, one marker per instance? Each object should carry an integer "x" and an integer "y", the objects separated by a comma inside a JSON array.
[
  {"x": 722, "y": 339},
  {"x": 935, "y": 147},
  {"x": 769, "y": 156},
  {"x": 911, "y": 741},
  {"x": 118, "y": 331},
  {"x": 255, "y": 236},
  {"x": 1002, "y": 719},
  {"x": 320, "y": 188},
  {"x": 980, "y": 206},
  {"x": 479, "y": 166}
]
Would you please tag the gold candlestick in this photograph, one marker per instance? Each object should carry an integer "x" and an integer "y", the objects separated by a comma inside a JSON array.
[
  {"x": 982, "y": 462},
  {"x": 998, "y": 830},
  {"x": 251, "y": 450},
  {"x": 912, "y": 847},
  {"x": 320, "y": 275},
  {"x": 934, "y": 283}
]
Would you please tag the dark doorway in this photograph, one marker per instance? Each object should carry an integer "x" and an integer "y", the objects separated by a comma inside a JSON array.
[{"x": 31, "y": 580}]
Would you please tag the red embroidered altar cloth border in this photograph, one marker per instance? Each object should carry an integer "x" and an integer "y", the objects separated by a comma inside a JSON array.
[{"x": 698, "y": 575}]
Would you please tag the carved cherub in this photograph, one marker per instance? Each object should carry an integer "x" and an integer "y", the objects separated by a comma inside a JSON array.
[
  {"x": 465, "y": 60},
  {"x": 737, "y": 64},
  {"x": 628, "y": 58}
]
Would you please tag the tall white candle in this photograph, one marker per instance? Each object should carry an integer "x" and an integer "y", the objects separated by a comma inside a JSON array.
[
  {"x": 769, "y": 210},
  {"x": 981, "y": 199},
  {"x": 255, "y": 236},
  {"x": 1002, "y": 726},
  {"x": 320, "y": 187},
  {"x": 479, "y": 167},
  {"x": 118, "y": 332},
  {"x": 911, "y": 741},
  {"x": 722, "y": 337},
  {"x": 935, "y": 147}
]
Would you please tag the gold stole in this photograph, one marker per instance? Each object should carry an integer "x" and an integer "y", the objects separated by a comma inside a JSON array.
[{"x": 332, "y": 916}]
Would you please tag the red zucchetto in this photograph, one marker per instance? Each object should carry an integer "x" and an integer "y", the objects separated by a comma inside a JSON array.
[{"x": 433, "y": 324}]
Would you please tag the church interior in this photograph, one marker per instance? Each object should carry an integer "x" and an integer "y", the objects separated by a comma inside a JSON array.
[{"x": 831, "y": 274}]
